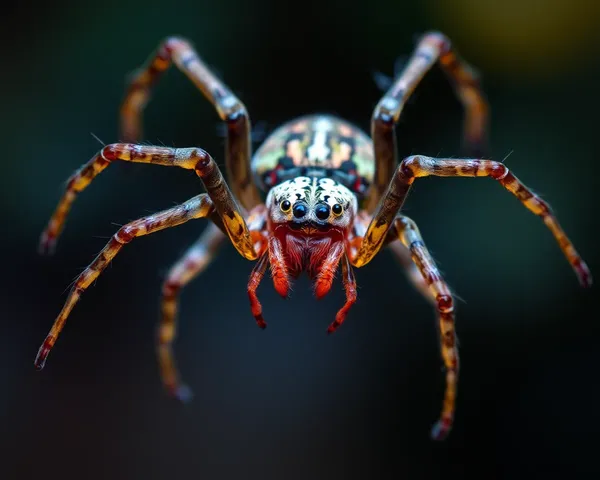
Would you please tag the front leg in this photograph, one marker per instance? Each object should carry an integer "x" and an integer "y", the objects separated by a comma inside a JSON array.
[
  {"x": 230, "y": 109},
  {"x": 421, "y": 166},
  {"x": 189, "y": 158},
  {"x": 197, "y": 207}
]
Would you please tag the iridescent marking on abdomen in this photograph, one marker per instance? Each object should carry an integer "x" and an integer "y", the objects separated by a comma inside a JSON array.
[{"x": 316, "y": 146}]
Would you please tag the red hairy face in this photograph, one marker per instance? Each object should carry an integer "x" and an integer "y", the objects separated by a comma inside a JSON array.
[{"x": 311, "y": 250}]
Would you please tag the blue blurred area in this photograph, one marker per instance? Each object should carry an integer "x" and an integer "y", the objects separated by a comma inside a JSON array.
[{"x": 291, "y": 402}]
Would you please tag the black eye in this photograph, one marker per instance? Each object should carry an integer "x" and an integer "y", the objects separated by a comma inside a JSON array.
[
  {"x": 337, "y": 209},
  {"x": 285, "y": 206},
  {"x": 322, "y": 212},
  {"x": 300, "y": 210}
]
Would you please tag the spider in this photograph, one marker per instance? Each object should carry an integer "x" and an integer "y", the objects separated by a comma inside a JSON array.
[{"x": 333, "y": 196}]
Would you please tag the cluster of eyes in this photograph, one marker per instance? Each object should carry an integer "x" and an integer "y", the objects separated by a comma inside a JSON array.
[{"x": 321, "y": 211}]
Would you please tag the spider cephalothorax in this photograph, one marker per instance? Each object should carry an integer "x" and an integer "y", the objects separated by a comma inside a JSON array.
[
  {"x": 333, "y": 197},
  {"x": 310, "y": 219}
]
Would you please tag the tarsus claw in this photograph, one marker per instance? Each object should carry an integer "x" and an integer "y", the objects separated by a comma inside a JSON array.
[
  {"x": 441, "y": 429},
  {"x": 47, "y": 244}
]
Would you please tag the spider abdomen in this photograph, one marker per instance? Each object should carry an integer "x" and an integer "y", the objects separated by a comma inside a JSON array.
[{"x": 316, "y": 146}]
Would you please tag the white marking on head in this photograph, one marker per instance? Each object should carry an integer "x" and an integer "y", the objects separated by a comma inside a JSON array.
[{"x": 312, "y": 192}]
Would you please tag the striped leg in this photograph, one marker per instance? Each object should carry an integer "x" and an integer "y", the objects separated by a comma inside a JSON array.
[
  {"x": 230, "y": 109},
  {"x": 193, "y": 263},
  {"x": 229, "y": 214},
  {"x": 198, "y": 207},
  {"x": 408, "y": 233},
  {"x": 420, "y": 166},
  {"x": 361, "y": 223},
  {"x": 432, "y": 47},
  {"x": 258, "y": 272},
  {"x": 403, "y": 256}
]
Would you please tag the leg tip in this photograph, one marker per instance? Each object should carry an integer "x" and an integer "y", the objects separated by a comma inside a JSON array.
[
  {"x": 282, "y": 289},
  {"x": 39, "y": 363},
  {"x": 42, "y": 355},
  {"x": 47, "y": 244},
  {"x": 584, "y": 275},
  {"x": 183, "y": 393},
  {"x": 441, "y": 429},
  {"x": 260, "y": 322},
  {"x": 322, "y": 288}
]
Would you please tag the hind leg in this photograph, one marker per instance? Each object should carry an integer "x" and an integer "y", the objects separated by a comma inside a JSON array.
[{"x": 192, "y": 264}]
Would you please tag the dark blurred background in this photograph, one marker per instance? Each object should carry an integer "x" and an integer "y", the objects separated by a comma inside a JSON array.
[{"x": 291, "y": 402}]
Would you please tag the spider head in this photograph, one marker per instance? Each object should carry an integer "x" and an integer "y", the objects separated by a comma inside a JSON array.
[
  {"x": 309, "y": 218},
  {"x": 312, "y": 205}
]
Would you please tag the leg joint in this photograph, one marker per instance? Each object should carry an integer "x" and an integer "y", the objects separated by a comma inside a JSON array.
[
  {"x": 408, "y": 166},
  {"x": 170, "y": 288},
  {"x": 126, "y": 234},
  {"x": 405, "y": 223},
  {"x": 205, "y": 163},
  {"x": 445, "y": 304},
  {"x": 383, "y": 116},
  {"x": 499, "y": 171},
  {"x": 234, "y": 111},
  {"x": 170, "y": 44},
  {"x": 110, "y": 153},
  {"x": 440, "y": 40}
]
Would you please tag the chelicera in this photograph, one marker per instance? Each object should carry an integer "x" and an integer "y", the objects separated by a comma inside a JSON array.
[{"x": 333, "y": 197}]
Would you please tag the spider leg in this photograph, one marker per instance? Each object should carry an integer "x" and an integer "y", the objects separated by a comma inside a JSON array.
[
  {"x": 403, "y": 256},
  {"x": 193, "y": 263},
  {"x": 279, "y": 270},
  {"x": 197, "y": 207},
  {"x": 433, "y": 47},
  {"x": 350, "y": 288},
  {"x": 421, "y": 166},
  {"x": 189, "y": 158},
  {"x": 407, "y": 232},
  {"x": 361, "y": 223},
  {"x": 230, "y": 109},
  {"x": 326, "y": 274},
  {"x": 256, "y": 277}
]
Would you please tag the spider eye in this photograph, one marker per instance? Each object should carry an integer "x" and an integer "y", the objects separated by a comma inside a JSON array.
[
  {"x": 300, "y": 210},
  {"x": 285, "y": 206},
  {"x": 337, "y": 209},
  {"x": 322, "y": 211}
]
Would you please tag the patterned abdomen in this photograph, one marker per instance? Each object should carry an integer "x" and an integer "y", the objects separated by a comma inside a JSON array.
[{"x": 316, "y": 146}]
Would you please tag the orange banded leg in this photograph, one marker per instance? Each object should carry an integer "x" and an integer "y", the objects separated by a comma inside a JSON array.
[
  {"x": 197, "y": 207},
  {"x": 420, "y": 166},
  {"x": 408, "y": 233},
  {"x": 361, "y": 223},
  {"x": 189, "y": 158},
  {"x": 403, "y": 256},
  {"x": 350, "y": 288},
  {"x": 193, "y": 263},
  {"x": 433, "y": 47},
  {"x": 258, "y": 272},
  {"x": 230, "y": 109}
]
